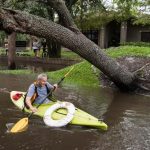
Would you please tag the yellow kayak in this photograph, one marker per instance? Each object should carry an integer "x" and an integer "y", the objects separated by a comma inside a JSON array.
[{"x": 79, "y": 117}]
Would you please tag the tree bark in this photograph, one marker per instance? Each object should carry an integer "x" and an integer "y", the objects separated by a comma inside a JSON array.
[
  {"x": 11, "y": 50},
  {"x": 54, "y": 48},
  {"x": 25, "y": 23},
  {"x": 61, "y": 9}
]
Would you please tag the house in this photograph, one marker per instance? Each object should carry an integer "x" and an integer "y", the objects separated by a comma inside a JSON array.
[{"x": 115, "y": 33}]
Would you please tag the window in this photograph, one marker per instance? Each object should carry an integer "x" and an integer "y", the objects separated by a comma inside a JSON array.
[
  {"x": 92, "y": 35},
  {"x": 145, "y": 36}
]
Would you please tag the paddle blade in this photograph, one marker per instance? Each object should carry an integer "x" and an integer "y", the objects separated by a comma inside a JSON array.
[{"x": 20, "y": 126}]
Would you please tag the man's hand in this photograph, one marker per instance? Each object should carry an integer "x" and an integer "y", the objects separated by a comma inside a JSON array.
[
  {"x": 34, "y": 109},
  {"x": 55, "y": 86}
]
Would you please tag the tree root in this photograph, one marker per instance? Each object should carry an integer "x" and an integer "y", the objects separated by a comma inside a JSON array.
[
  {"x": 4, "y": 90},
  {"x": 143, "y": 80},
  {"x": 142, "y": 87},
  {"x": 138, "y": 71}
]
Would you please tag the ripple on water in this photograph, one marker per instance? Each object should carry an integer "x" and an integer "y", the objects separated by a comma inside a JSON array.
[{"x": 127, "y": 116}]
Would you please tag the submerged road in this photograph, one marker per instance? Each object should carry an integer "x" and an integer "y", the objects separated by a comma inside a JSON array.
[{"x": 127, "y": 116}]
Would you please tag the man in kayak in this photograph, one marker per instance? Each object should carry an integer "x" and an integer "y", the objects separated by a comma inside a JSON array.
[{"x": 38, "y": 91}]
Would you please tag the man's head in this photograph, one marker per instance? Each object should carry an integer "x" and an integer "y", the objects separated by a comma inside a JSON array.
[{"x": 42, "y": 79}]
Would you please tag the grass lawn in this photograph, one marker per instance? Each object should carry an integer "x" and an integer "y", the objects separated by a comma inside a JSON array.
[
  {"x": 83, "y": 73},
  {"x": 128, "y": 51},
  {"x": 66, "y": 54}
]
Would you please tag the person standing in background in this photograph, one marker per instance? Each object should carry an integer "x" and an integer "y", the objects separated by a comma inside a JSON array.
[{"x": 36, "y": 47}]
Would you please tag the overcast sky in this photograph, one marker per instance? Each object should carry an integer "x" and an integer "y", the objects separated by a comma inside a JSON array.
[{"x": 109, "y": 4}]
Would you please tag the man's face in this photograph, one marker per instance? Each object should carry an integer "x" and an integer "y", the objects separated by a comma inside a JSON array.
[{"x": 42, "y": 81}]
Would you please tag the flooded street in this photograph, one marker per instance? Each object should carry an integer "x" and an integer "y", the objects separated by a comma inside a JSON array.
[{"x": 127, "y": 115}]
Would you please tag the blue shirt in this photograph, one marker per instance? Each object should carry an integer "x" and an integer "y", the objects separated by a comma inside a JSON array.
[{"x": 42, "y": 92}]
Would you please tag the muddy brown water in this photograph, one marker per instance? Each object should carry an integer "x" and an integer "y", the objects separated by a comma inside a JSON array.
[
  {"x": 38, "y": 64},
  {"x": 127, "y": 115},
  {"x": 33, "y": 66}
]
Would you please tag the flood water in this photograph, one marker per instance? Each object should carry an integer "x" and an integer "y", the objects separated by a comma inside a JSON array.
[
  {"x": 33, "y": 66},
  {"x": 127, "y": 115}
]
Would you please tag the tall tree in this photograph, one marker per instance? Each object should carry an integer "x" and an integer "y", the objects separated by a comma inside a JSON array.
[
  {"x": 126, "y": 8},
  {"x": 43, "y": 9},
  {"x": 12, "y": 35},
  {"x": 69, "y": 36},
  {"x": 90, "y": 14},
  {"x": 54, "y": 47},
  {"x": 11, "y": 50}
]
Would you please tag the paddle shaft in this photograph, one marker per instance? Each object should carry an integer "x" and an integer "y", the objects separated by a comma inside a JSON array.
[{"x": 61, "y": 80}]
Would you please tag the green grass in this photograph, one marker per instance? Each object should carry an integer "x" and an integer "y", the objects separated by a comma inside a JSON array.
[
  {"x": 128, "y": 51},
  {"x": 2, "y": 51},
  {"x": 141, "y": 44},
  {"x": 66, "y": 54},
  {"x": 83, "y": 74},
  {"x": 28, "y": 52},
  {"x": 27, "y": 72},
  {"x": 70, "y": 55}
]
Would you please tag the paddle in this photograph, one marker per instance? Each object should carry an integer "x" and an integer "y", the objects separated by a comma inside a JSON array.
[{"x": 22, "y": 124}]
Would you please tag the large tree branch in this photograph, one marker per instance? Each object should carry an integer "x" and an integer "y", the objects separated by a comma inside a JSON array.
[
  {"x": 63, "y": 12},
  {"x": 25, "y": 23},
  {"x": 64, "y": 15}
]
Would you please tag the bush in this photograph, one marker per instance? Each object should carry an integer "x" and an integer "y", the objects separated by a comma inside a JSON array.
[{"x": 140, "y": 44}]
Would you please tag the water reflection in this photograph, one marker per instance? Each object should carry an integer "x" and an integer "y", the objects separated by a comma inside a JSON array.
[
  {"x": 33, "y": 67},
  {"x": 36, "y": 64},
  {"x": 128, "y": 118}
]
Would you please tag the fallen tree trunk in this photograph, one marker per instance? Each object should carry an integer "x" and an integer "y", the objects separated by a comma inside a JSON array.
[{"x": 22, "y": 22}]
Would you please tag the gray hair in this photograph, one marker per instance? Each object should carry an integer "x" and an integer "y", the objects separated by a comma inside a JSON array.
[{"x": 41, "y": 76}]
